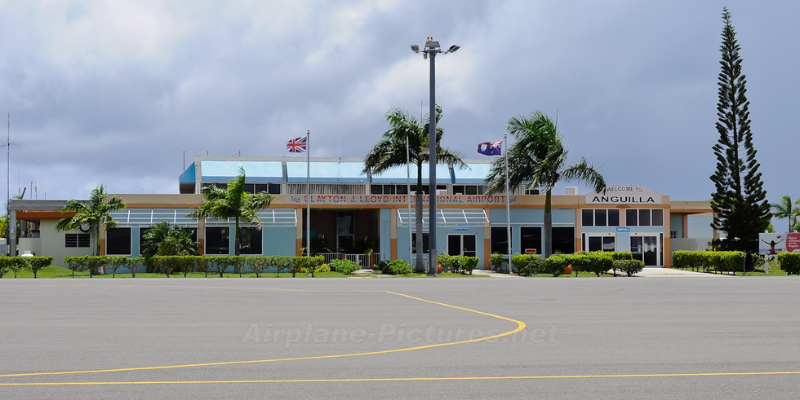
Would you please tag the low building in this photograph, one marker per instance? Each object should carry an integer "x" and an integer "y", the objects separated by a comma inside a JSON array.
[{"x": 353, "y": 213}]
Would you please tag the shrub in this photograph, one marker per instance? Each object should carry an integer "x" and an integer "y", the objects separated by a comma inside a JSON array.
[
  {"x": 34, "y": 264},
  {"x": 381, "y": 265},
  {"x": 116, "y": 262},
  {"x": 448, "y": 263},
  {"x": 398, "y": 267},
  {"x": 629, "y": 267},
  {"x": 76, "y": 263},
  {"x": 555, "y": 264},
  {"x": 346, "y": 267},
  {"x": 499, "y": 262},
  {"x": 527, "y": 264},
  {"x": 718, "y": 260},
  {"x": 15, "y": 264},
  {"x": 468, "y": 264},
  {"x": 790, "y": 262}
]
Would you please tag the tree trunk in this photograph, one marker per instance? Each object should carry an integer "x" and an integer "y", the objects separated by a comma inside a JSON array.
[{"x": 548, "y": 224}]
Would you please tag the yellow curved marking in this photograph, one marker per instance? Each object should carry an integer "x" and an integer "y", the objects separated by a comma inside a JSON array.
[
  {"x": 413, "y": 379},
  {"x": 520, "y": 326}
]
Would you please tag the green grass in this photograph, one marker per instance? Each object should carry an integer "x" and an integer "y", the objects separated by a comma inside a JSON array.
[{"x": 773, "y": 271}]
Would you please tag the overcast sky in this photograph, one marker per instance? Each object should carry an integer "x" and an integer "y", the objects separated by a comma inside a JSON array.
[{"x": 113, "y": 92}]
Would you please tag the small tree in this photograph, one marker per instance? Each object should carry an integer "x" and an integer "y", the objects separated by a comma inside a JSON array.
[
  {"x": 35, "y": 264},
  {"x": 3, "y": 266},
  {"x": 78, "y": 263},
  {"x": 15, "y": 264},
  {"x": 116, "y": 262}
]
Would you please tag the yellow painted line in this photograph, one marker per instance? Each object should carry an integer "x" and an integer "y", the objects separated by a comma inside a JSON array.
[
  {"x": 520, "y": 326},
  {"x": 411, "y": 379}
]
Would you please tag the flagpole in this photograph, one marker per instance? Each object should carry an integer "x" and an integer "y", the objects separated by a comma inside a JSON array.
[
  {"x": 508, "y": 203},
  {"x": 308, "y": 193}
]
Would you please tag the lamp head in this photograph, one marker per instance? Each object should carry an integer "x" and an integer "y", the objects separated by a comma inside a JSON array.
[
  {"x": 453, "y": 48},
  {"x": 415, "y": 48}
]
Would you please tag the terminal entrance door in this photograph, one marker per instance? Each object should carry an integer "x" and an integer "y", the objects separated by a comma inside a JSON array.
[
  {"x": 646, "y": 248},
  {"x": 461, "y": 245}
]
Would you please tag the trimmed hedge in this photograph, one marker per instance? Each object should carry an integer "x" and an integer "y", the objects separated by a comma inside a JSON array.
[
  {"x": 527, "y": 264},
  {"x": 723, "y": 261},
  {"x": 629, "y": 267},
  {"x": 346, "y": 267},
  {"x": 457, "y": 264},
  {"x": 18, "y": 263},
  {"x": 790, "y": 262},
  {"x": 397, "y": 267},
  {"x": 169, "y": 265},
  {"x": 598, "y": 262}
]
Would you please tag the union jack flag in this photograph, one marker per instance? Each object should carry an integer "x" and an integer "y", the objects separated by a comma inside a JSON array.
[{"x": 297, "y": 145}]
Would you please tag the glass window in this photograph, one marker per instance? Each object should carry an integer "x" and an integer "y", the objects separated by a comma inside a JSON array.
[
  {"x": 531, "y": 239},
  {"x": 600, "y": 217},
  {"x": 388, "y": 189},
  {"x": 274, "y": 188},
  {"x": 223, "y": 186},
  {"x": 658, "y": 217},
  {"x": 587, "y": 217},
  {"x": 425, "y": 248},
  {"x": 609, "y": 243},
  {"x": 376, "y": 189},
  {"x": 217, "y": 240},
  {"x": 260, "y": 187},
  {"x": 631, "y": 217},
  {"x": 142, "y": 231},
  {"x": 613, "y": 217},
  {"x": 644, "y": 217},
  {"x": 250, "y": 240},
  {"x": 564, "y": 240},
  {"x": 118, "y": 241},
  {"x": 250, "y": 188},
  {"x": 595, "y": 243},
  {"x": 481, "y": 189},
  {"x": 499, "y": 241},
  {"x": 402, "y": 189},
  {"x": 458, "y": 189},
  {"x": 471, "y": 190}
]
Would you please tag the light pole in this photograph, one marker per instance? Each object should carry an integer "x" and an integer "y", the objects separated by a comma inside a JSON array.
[{"x": 431, "y": 49}]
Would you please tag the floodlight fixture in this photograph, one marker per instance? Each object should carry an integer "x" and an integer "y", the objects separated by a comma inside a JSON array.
[{"x": 415, "y": 48}]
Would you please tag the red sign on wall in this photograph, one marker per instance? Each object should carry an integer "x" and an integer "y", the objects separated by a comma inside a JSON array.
[
  {"x": 530, "y": 251},
  {"x": 792, "y": 242}
]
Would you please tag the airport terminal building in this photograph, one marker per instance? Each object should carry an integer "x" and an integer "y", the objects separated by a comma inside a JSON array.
[{"x": 353, "y": 213}]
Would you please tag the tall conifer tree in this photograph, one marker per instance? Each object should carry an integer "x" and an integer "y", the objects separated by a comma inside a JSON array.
[{"x": 739, "y": 202}]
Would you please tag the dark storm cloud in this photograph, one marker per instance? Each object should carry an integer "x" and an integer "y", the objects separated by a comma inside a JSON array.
[{"x": 114, "y": 92}]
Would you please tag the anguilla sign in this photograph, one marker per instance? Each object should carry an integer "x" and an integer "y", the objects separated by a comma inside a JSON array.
[{"x": 624, "y": 194}]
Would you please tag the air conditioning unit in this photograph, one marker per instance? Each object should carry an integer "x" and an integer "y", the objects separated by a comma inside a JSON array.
[
  {"x": 571, "y": 191},
  {"x": 440, "y": 192}
]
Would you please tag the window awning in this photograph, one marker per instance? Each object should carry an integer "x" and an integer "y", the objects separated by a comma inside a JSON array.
[
  {"x": 446, "y": 217},
  {"x": 269, "y": 218},
  {"x": 149, "y": 217}
]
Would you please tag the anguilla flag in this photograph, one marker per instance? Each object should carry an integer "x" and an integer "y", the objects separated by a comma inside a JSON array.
[
  {"x": 491, "y": 148},
  {"x": 297, "y": 145}
]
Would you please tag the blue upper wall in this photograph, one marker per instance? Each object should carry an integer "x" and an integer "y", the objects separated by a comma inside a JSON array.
[
  {"x": 325, "y": 171},
  {"x": 256, "y": 171}
]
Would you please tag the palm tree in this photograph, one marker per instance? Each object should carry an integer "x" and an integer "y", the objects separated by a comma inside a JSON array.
[
  {"x": 94, "y": 214},
  {"x": 233, "y": 203},
  {"x": 390, "y": 152},
  {"x": 538, "y": 159},
  {"x": 785, "y": 209}
]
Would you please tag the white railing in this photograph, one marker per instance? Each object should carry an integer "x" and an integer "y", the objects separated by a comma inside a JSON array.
[{"x": 362, "y": 260}]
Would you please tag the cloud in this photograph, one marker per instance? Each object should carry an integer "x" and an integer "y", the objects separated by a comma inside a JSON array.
[{"x": 114, "y": 92}]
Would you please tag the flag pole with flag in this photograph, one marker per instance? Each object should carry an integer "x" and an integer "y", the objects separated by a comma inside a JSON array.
[
  {"x": 301, "y": 145},
  {"x": 496, "y": 149}
]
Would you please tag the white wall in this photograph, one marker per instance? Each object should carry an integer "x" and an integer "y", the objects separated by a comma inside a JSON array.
[{"x": 53, "y": 244}]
